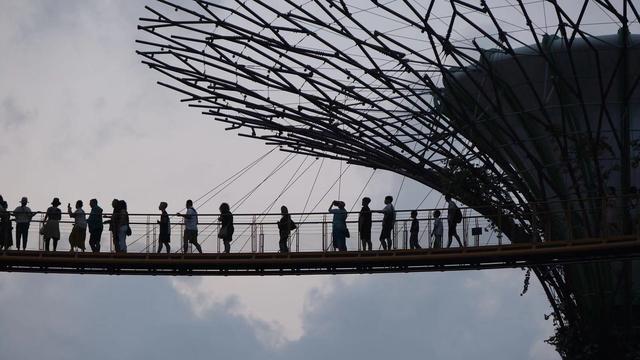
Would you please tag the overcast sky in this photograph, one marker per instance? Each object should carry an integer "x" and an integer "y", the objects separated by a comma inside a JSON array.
[{"x": 80, "y": 117}]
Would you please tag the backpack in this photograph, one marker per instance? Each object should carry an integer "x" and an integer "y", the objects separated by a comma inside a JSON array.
[
  {"x": 292, "y": 225},
  {"x": 457, "y": 216}
]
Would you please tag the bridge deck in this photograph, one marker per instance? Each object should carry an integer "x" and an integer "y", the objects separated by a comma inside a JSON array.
[{"x": 301, "y": 263}]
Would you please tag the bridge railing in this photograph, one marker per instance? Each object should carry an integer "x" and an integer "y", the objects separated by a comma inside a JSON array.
[{"x": 259, "y": 232}]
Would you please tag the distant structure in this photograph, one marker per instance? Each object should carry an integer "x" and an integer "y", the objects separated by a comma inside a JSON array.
[{"x": 511, "y": 107}]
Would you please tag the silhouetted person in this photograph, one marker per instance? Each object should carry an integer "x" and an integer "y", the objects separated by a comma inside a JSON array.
[
  {"x": 51, "y": 229},
  {"x": 22, "y": 215},
  {"x": 164, "y": 238},
  {"x": 339, "y": 225},
  {"x": 364, "y": 224},
  {"x": 78, "y": 233},
  {"x": 437, "y": 231},
  {"x": 190, "y": 228},
  {"x": 415, "y": 229},
  {"x": 226, "y": 226},
  {"x": 285, "y": 225},
  {"x": 388, "y": 220},
  {"x": 113, "y": 228},
  {"x": 453, "y": 218},
  {"x": 122, "y": 224},
  {"x": 6, "y": 236},
  {"x": 95, "y": 225}
]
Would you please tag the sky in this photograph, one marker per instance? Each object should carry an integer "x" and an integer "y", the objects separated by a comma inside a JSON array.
[{"x": 80, "y": 117}]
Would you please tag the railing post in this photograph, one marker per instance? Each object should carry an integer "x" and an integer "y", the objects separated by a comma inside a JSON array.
[
  {"x": 254, "y": 235},
  {"x": 324, "y": 233},
  {"x": 40, "y": 236},
  {"x": 404, "y": 234},
  {"x": 148, "y": 233},
  {"x": 261, "y": 245},
  {"x": 499, "y": 225},
  {"x": 217, "y": 238},
  {"x": 394, "y": 236},
  {"x": 465, "y": 225},
  {"x": 155, "y": 238},
  {"x": 298, "y": 238}
]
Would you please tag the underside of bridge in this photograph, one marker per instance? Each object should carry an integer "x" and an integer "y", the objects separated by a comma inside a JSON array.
[{"x": 514, "y": 109}]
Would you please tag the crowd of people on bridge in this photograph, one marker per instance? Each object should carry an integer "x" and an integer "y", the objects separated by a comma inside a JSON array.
[{"x": 120, "y": 228}]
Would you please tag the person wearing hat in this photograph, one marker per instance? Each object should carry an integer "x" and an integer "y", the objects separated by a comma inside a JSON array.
[
  {"x": 22, "y": 215},
  {"x": 51, "y": 228}
]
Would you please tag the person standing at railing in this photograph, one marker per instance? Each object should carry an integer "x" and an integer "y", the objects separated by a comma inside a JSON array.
[
  {"x": 364, "y": 224},
  {"x": 339, "y": 226},
  {"x": 285, "y": 225},
  {"x": 414, "y": 230},
  {"x": 51, "y": 228},
  {"x": 454, "y": 217},
  {"x": 6, "y": 237},
  {"x": 226, "y": 226},
  {"x": 437, "y": 231},
  {"x": 113, "y": 228},
  {"x": 388, "y": 220},
  {"x": 95, "y": 225},
  {"x": 164, "y": 238},
  {"x": 121, "y": 220},
  {"x": 190, "y": 228},
  {"x": 22, "y": 215},
  {"x": 78, "y": 233}
]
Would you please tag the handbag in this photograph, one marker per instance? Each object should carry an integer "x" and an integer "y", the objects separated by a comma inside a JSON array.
[
  {"x": 222, "y": 233},
  {"x": 346, "y": 233},
  {"x": 129, "y": 230}
]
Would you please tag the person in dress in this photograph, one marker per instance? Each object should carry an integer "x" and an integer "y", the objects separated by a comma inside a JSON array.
[
  {"x": 78, "y": 233},
  {"x": 51, "y": 228},
  {"x": 226, "y": 226},
  {"x": 339, "y": 225},
  {"x": 164, "y": 238}
]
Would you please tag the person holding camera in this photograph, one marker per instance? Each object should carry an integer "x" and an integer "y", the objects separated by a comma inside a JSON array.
[{"x": 339, "y": 225}]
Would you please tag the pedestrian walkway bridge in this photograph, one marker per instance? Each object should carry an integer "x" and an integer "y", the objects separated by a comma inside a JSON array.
[
  {"x": 255, "y": 244},
  {"x": 307, "y": 263}
]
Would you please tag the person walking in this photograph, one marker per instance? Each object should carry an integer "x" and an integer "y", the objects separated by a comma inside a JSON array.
[
  {"x": 454, "y": 217},
  {"x": 364, "y": 224},
  {"x": 285, "y": 225},
  {"x": 51, "y": 229},
  {"x": 190, "y": 228},
  {"x": 78, "y": 233},
  {"x": 339, "y": 229},
  {"x": 226, "y": 226},
  {"x": 122, "y": 226},
  {"x": 414, "y": 230},
  {"x": 6, "y": 237},
  {"x": 164, "y": 238},
  {"x": 388, "y": 220},
  {"x": 95, "y": 225},
  {"x": 23, "y": 216},
  {"x": 437, "y": 231}
]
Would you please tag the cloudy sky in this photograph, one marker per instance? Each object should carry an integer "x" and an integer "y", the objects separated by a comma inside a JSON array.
[{"x": 80, "y": 117}]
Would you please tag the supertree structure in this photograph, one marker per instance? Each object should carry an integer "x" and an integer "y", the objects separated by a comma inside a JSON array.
[{"x": 528, "y": 111}]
